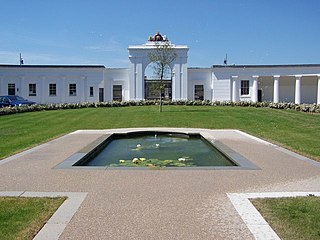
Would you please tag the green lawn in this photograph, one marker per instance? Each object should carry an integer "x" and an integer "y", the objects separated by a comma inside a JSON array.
[
  {"x": 22, "y": 218},
  {"x": 296, "y": 130},
  {"x": 292, "y": 218}
]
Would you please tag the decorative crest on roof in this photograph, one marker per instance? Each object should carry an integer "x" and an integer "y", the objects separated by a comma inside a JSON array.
[{"x": 158, "y": 38}]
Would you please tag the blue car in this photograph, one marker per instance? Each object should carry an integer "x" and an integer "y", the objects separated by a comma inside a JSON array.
[{"x": 11, "y": 101}]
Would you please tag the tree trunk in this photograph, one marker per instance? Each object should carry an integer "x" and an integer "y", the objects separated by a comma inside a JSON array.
[
  {"x": 161, "y": 88},
  {"x": 160, "y": 106}
]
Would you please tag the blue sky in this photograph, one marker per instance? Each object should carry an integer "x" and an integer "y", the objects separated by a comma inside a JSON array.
[{"x": 99, "y": 32}]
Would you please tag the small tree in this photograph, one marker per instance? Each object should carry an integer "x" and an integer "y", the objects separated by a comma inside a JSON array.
[{"x": 161, "y": 57}]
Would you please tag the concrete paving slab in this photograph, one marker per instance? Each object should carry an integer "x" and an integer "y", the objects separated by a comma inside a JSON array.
[
  {"x": 67, "y": 209},
  {"x": 59, "y": 220},
  {"x": 50, "y": 232},
  {"x": 251, "y": 216},
  {"x": 11, "y": 194}
]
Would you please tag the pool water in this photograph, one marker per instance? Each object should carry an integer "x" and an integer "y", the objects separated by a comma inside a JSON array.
[{"x": 157, "y": 149}]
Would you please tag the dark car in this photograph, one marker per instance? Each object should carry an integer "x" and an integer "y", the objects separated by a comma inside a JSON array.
[{"x": 11, "y": 101}]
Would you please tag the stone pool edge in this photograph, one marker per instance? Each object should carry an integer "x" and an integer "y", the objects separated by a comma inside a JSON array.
[{"x": 241, "y": 162}]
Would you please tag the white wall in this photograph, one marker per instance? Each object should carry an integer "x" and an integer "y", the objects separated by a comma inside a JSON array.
[
  {"x": 266, "y": 85},
  {"x": 221, "y": 86},
  {"x": 200, "y": 76},
  {"x": 309, "y": 89},
  {"x": 286, "y": 89},
  {"x": 216, "y": 81},
  {"x": 61, "y": 76},
  {"x": 116, "y": 76}
]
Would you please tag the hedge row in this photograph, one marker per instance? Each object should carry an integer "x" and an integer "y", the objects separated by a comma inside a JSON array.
[{"x": 311, "y": 108}]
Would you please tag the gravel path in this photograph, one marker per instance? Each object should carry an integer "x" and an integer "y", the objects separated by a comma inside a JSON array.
[{"x": 158, "y": 204}]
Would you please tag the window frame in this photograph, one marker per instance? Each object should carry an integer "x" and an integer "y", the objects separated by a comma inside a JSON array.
[
  {"x": 91, "y": 92},
  {"x": 51, "y": 89},
  {"x": 245, "y": 87},
  {"x": 11, "y": 89},
  {"x": 196, "y": 90},
  {"x": 72, "y": 89},
  {"x": 32, "y": 89},
  {"x": 117, "y": 98}
]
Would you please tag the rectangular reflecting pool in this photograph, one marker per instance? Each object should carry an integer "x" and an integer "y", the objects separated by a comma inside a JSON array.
[{"x": 155, "y": 149}]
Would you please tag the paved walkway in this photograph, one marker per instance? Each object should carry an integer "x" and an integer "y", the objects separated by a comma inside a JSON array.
[{"x": 158, "y": 204}]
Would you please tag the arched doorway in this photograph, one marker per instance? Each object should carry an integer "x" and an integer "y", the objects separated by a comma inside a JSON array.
[
  {"x": 153, "y": 85},
  {"x": 139, "y": 55}
]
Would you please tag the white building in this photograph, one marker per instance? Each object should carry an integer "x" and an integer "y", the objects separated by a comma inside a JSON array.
[{"x": 72, "y": 84}]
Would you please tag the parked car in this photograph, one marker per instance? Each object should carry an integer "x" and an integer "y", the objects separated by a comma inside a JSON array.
[{"x": 11, "y": 101}]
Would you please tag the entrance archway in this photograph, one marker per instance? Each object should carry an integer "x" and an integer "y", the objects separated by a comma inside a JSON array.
[
  {"x": 153, "y": 86},
  {"x": 139, "y": 61}
]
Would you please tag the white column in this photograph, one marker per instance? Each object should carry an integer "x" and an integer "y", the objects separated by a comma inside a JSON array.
[
  {"x": 254, "y": 95},
  {"x": 181, "y": 83},
  {"x": 235, "y": 90},
  {"x": 135, "y": 83},
  {"x": 84, "y": 95},
  {"x": 43, "y": 93},
  {"x": 318, "y": 96},
  {"x": 1, "y": 87},
  {"x": 139, "y": 81},
  {"x": 276, "y": 88},
  {"x": 62, "y": 89},
  {"x": 212, "y": 87},
  {"x": 297, "y": 94},
  {"x": 132, "y": 78},
  {"x": 20, "y": 89},
  {"x": 318, "y": 92},
  {"x": 176, "y": 83},
  {"x": 184, "y": 78}
]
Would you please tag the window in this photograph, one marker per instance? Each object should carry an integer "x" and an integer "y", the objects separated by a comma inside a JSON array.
[
  {"x": 32, "y": 89},
  {"x": 11, "y": 89},
  {"x": 72, "y": 89},
  {"x": 198, "y": 92},
  {"x": 52, "y": 89},
  {"x": 101, "y": 94},
  {"x": 117, "y": 93},
  {"x": 244, "y": 87},
  {"x": 91, "y": 91}
]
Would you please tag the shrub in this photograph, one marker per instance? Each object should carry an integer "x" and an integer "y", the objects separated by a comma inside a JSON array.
[{"x": 309, "y": 108}]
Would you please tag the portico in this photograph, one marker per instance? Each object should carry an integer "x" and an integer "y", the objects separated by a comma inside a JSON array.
[
  {"x": 273, "y": 84},
  {"x": 304, "y": 88}
]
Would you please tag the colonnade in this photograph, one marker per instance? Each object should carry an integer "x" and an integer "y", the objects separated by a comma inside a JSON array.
[{"x": 235, "y": 88}]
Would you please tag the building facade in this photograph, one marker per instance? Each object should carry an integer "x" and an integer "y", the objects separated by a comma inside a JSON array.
[{"x": 72, "y": 84}]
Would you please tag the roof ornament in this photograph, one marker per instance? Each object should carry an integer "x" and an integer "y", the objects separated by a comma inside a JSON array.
[{"x": 158, "y": 38}]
